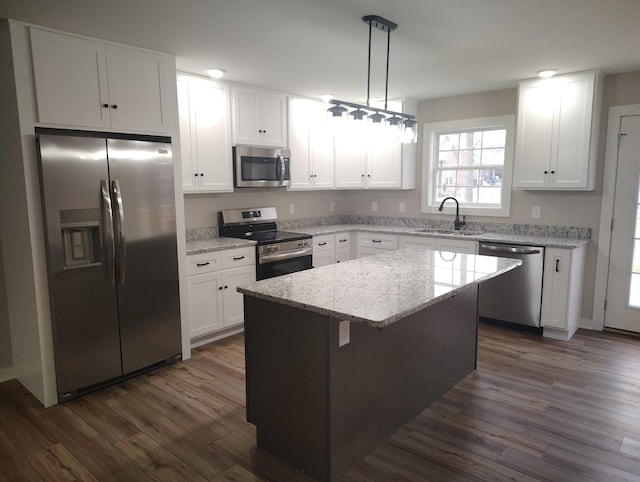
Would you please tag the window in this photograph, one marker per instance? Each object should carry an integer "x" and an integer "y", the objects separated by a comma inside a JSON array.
[{"x": 470, "y": 160}]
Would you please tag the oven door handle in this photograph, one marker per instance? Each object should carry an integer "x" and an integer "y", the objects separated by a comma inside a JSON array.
[{"x": 271, "y": 258}]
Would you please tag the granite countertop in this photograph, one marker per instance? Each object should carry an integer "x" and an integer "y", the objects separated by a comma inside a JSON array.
[
  {"x": 382, "y": 289},
  {"x": 545, "y": 241},
  {"x": 208, "y": 245}
]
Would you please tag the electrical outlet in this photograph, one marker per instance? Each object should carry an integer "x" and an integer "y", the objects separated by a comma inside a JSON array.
[
  {"x": 374, "y": 205},
  {"x": 402, "y": 207},
  {"x": 292, "y": 209},
  {"x": 344, "y": 333},
  {"x": 332, "y": 206},
  {"x": 535, "y": 212}
]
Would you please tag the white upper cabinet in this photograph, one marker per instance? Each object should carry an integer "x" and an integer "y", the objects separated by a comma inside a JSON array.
[
  {"x": 556, "y": 140},
  {"x": 311, "y": 145},
  {"x": 350, "y": 154},
  {"x": 259, "y": 117},
  {"x": 369, "y": 156},
  {"x": 86, "y": 83},
  {"x": 384, "y": 168},
  {"x": 204, "y": 108}
]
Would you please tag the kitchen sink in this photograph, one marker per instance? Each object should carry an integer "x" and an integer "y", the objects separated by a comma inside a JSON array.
[{"x": 451, "y": 232}]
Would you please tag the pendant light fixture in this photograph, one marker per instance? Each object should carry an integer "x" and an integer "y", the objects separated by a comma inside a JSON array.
[{"x": 375, "y": 114}]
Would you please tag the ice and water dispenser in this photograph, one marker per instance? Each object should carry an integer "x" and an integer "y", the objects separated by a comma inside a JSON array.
[{"x": 80, "y": 237}]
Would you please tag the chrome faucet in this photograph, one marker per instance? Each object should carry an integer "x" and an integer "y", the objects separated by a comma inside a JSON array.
[{"x": 457, "y": 224}]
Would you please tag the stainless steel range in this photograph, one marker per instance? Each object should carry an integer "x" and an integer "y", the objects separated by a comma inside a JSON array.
[{"x": 277, "y": 252}]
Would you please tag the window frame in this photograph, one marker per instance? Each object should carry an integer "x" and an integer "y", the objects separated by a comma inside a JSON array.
[{"x": 429, "y": 160}]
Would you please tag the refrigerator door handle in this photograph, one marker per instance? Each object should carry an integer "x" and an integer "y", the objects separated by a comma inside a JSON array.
[
  {"x": 107, "y": 227},
  {"x": 119, "y": 222}
]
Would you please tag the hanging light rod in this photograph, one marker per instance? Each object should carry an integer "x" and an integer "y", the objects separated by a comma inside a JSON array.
[{"x": 375, "y": 114}]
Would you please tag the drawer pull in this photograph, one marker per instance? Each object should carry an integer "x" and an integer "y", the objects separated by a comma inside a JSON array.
[
  {"x": 322, "y": 244},
  {"x": 376, "y": 240},
  {"x": 342, "y": 240},
  {"x": 557, "y": 265},
  {"x": 206, "y": 263},
  {"x": 238, "y": 258}
]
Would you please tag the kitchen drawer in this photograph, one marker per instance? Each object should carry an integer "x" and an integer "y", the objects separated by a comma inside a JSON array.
[
  {"x": 232, "y": 258},
  {"x": 325, "y": 242},
  {"x": 204, "y": 263},
  {"x": 374, "y": 240},
  {"x": 343, "y": 240}
]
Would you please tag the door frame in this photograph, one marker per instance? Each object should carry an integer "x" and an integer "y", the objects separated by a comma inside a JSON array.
[{"x": 606, "y": 210}]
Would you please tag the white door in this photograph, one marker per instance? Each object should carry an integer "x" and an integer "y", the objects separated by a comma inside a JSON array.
[{"x": 623, "y": 290}]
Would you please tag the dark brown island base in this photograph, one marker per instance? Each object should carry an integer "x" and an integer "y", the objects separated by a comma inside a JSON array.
[{"x": 340, "y": 357}]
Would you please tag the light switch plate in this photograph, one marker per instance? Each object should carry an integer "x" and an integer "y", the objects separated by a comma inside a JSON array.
[
  {"x": 374, "y": 205},
  {"x": 332, "y": 206},
  {"x": 402, "y": 207},
  {"x": 292, "y": 209}
]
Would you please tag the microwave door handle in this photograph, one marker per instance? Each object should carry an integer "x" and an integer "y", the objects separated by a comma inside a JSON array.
[{"x": 281, "y": 175}]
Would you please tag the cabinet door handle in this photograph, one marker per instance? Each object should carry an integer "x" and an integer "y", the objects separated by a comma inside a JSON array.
[
  {"x": 557, "y": 265},
  {"x": 238, "y": 258},
  {"x": 376, "y": 240},
  {"x": 553, "y": 172},
  {"x": 114, "y": 106},
  {"x": 220, "y": 288},
  {"x": 546, "y": 172},
  {"x": 226, "y": 287},
  {"x": 342, "y": 240},
  {"x": 206, "y": 263},
  {"x": 322, "y": 244},
  {"x": 106, "y": 106}
]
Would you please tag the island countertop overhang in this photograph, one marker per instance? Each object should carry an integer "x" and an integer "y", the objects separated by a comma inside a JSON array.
[{"x": 382, "y": 289}]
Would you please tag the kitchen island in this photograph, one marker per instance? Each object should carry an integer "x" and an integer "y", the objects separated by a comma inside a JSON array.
[{"x": 340, "y": 357}]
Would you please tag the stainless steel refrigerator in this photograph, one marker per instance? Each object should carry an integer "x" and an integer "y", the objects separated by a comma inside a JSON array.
[{"x": 109, "y": 214}]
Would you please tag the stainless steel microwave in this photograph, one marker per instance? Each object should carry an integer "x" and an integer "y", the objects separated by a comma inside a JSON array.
[{"x": 261, "y": 167}]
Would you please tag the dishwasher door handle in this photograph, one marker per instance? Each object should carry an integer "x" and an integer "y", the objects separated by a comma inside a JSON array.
[{"x": 509, "y": 249}]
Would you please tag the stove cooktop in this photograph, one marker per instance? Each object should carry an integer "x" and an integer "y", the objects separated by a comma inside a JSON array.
[{"x": 269, "y": 237}]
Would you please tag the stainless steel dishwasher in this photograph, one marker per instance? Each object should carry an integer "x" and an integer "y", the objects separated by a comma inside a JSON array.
[{"x": 516, "y": 296}]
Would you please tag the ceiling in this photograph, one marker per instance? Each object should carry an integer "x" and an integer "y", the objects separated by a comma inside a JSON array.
[{"x": 312, "y": 47}]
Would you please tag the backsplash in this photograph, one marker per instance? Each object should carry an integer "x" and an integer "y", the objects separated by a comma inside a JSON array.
[
  {"x": 503, "y": 228},
  {"x": 195, "y": 234}
]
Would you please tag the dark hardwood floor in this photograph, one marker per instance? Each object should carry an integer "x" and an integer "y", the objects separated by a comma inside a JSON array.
[{"x": 536, "y": 409}]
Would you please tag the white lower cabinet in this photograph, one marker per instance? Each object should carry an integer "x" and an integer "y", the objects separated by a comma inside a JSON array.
[
  {"x": 214, "y": 303},
  {"x": 331, "y": 248},
  {"x": 562, "y": 291},
  {"x": 343, "y": 247},
  {"x": 441, "y": 244}
]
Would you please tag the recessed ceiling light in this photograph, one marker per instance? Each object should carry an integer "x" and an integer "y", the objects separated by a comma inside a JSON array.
[
  {"x": 215, "y": 73},
  {"x": 326, "y": 97},
  {"x": 546, "y": 73}
]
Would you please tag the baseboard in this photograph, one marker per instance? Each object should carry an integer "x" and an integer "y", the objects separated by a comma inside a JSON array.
[
  {"x": 7, "y": 374},
  {"x": 586, "y": 324},
  {"x": 219, "y": 335}
]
